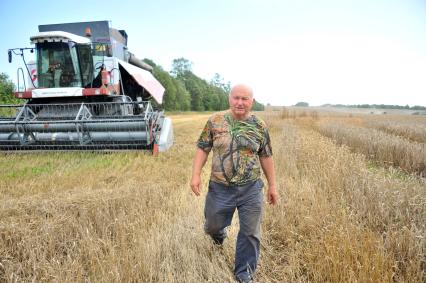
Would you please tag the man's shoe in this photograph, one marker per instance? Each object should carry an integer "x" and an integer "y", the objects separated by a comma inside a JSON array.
[
  {"x": 247, "y": 280},
  {"x": 218, "y": 241}
]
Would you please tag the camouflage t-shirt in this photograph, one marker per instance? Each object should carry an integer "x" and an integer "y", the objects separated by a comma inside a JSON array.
[{"x": 237, "y": 146}]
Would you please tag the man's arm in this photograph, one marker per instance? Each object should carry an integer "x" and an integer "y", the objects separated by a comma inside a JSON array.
[
  {"x": 199, "y": 161},
  {"x": 267, "y": 164}
]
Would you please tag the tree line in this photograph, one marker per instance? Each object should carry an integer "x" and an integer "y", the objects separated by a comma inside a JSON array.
[
  {"x": 377, "y": 106},
  {"x": 185, "y": 91}
]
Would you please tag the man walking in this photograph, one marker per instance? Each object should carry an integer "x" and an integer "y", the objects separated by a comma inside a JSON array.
[{"x": 241, "y": 146}]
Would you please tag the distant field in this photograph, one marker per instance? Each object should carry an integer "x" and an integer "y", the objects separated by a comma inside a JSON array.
[
  {"x": 347, "y": 110},
  {"x": 353, "y": 207}
]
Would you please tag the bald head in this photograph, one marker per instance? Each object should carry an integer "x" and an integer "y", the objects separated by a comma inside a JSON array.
[
  {"x": 240, "y": 101},
  {"x": 242, "y": 88}
]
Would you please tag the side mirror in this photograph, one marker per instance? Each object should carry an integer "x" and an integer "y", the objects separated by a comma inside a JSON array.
[{"x": 9, "y": 53}]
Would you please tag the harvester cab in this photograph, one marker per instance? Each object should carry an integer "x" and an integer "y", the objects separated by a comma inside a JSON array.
[{"x": 85, "y": 91}]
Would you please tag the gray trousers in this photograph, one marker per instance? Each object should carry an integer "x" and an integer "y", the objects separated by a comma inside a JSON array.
[{"x": 221, "y": 202}]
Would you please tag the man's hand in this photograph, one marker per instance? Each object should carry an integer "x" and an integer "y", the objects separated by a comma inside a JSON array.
[
  {"x": 267, "y": 164},
  {"x": 272, "y": 195},
  {"x": 199, "y": 161},
  {"x": 196, "y": 184}
]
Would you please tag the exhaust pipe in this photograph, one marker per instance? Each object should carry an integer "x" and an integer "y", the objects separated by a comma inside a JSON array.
[{"x": 139, "y": 63}]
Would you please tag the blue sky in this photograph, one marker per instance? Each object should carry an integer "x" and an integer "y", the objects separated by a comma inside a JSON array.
[{"x": 330, "y": 51}]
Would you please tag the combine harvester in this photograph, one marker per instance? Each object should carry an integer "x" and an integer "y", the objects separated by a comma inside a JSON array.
[{"x": 86, "y": 92}]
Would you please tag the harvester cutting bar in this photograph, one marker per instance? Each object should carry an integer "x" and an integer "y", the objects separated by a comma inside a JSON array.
[
  {"x": 112, "y": 125},
  {"x": 89, "y": 125},
  {"x": 95, "y": 137}
]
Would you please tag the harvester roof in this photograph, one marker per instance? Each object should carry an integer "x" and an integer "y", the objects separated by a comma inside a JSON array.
[{"x": 58, "y": 36}]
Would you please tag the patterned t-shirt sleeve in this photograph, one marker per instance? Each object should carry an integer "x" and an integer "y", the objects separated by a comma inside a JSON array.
[
  {"x": 265, "y": 149},
  {"x": 205, "y": 142}
]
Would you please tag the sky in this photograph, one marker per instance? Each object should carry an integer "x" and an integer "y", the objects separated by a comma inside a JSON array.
[{"x": 315, "y": 51}]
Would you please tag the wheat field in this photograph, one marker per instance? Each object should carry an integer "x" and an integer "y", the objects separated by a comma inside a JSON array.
[{"x": 130, "y": 217}]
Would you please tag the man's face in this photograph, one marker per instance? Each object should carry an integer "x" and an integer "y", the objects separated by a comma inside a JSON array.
[{"x": 240, "y": 102}]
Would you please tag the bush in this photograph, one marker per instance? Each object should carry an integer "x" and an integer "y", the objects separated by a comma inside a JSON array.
[{"x": 6, "y": 90}]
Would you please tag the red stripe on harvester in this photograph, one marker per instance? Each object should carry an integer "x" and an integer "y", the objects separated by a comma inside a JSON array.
[
  {"x": 23, "y": 94},
  {"x": 94, "y": 91}
]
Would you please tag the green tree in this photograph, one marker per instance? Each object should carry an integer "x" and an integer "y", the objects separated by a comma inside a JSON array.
[
  {"x": 180, "y": 67},
  {"x": 197, "y": 88},
  {"x": 6, "y": 90},
  {"x": 169, "y": 99},
  {"x": 302, "y": 104},
  {"x": 192, "y": 84},
  {"x": 224, "y": 101},
  {"x": 208, "y": 95},
  {"x": 218, "y": 81},
  {"x": 182, "y": 95},
  {"x": 219, "y": 97}
]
